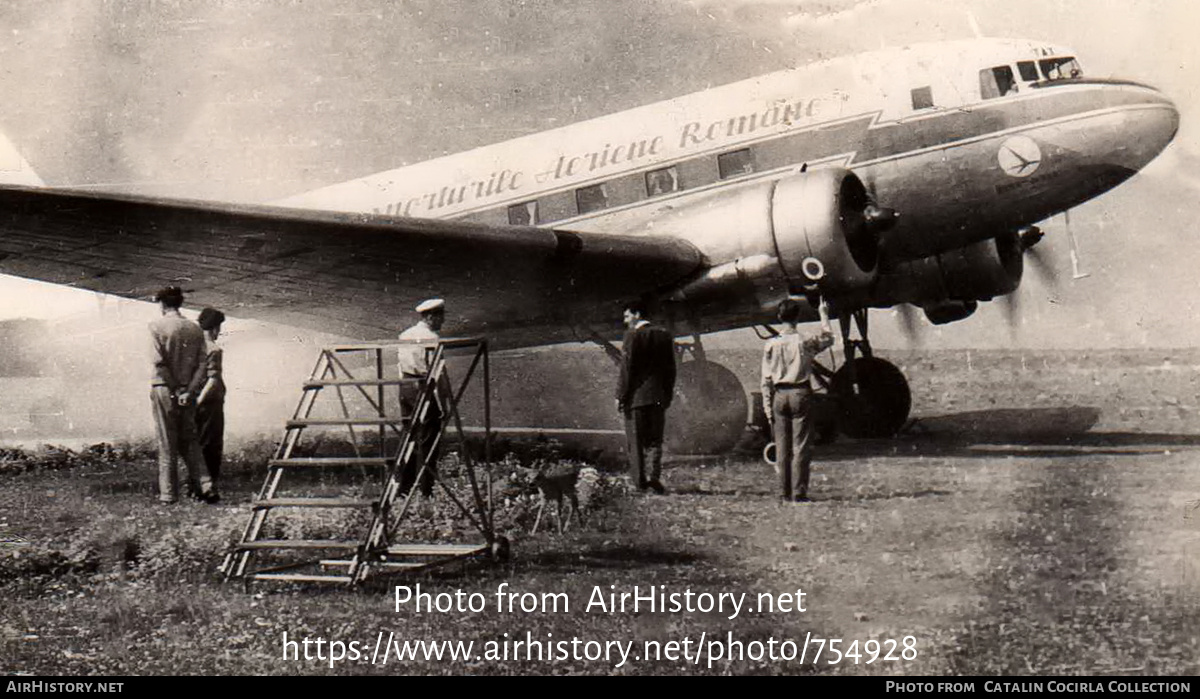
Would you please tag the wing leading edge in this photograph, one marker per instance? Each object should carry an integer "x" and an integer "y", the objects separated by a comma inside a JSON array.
[{"x": 350, "y": 274}]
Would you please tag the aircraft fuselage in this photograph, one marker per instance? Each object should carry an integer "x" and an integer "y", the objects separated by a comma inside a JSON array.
[{"x": 966, "y": 140}]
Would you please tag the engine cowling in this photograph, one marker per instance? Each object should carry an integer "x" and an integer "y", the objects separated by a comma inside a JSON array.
[
  {"x": 820, "y": 214},
  {"x": 759, "y": 236},
  {"x": 956, "y": 279}
]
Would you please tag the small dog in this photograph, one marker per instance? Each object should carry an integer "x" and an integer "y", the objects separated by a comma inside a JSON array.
[{"x": 554, "y": 482}]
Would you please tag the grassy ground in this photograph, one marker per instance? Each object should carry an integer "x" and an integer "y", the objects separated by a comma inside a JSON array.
[{"x": 1056, "y": 538}]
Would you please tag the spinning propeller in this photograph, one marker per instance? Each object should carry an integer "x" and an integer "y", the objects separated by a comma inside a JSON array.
[
  {"x": 1039, "y": 262},
  {"x": 1037, "y": 259}
]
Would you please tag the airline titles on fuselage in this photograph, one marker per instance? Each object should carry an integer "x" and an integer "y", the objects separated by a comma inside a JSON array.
[{"x": 614, "y": 159}]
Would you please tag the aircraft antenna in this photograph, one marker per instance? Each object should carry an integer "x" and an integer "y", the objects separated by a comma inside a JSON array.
[{"x": 974, "y": 25}]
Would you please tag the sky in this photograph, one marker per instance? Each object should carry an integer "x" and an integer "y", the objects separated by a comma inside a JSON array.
[{"x": 256, "y": 100}]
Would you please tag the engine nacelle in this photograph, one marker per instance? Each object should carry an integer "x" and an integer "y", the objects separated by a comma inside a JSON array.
[
  {"x": 759, "y": 236},
  {"x": 978, "y": 272},
  {"x": 820, "y": 214}
]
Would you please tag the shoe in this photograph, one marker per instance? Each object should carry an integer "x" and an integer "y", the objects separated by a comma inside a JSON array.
[
  {"x": 656, "y": 487},
  {"x": 211, "y": 497},
  {"x": 162, "y": 501},
  {"x": 642, "y": 485},
  {"x": 801, "y": 498}
]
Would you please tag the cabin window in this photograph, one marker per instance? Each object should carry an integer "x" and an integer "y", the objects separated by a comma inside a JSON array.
[
  {"x": 592, "y": 198},
  {"x": 996, "y": 82},
  {"x": 662, "y": 181},
  {"x": 734, "y": 163},
  {"x": 1028, "y": 71},
  {"x": 922, "y": 97},
  {"x": 525, "y": 214},
  {"x": 1060, "y": 68}
]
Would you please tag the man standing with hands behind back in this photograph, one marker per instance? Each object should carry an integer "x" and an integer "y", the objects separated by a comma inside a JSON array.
[
  {"x": 644, "y": 393},
  {"x": 787, "y": 396},
  {"x": 178, "y": 352}
]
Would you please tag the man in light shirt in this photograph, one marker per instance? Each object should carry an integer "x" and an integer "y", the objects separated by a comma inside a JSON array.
[
  {"x": 178, "y": 352},
  {"x": 787, "y": 396},
  {"x": 413, "y": 366}
]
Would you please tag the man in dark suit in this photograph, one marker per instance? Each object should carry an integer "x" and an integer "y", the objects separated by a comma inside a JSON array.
[{"x": 644, "y": 393}]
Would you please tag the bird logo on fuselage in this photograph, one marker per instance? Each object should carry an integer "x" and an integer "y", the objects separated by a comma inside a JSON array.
[{"x": 1019, "y": 156}]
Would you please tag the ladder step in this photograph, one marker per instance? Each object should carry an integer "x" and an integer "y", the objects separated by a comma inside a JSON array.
[
  {"x": 435, "y": 549},
  {"x": 338, "y": 563},
  {"x": 297, "y": 544},
  {"x": 301, "y": 577},
  {"x": 363, "y": 346},
  {"x": 345, "y": 421},
  {"x": 399, "y": 564},
  {"x": 465, "y": 341},
  {"x": 312, "y": 502},
  {"x": 318, "y": 383},
  {"x": 331, "y": 461}
]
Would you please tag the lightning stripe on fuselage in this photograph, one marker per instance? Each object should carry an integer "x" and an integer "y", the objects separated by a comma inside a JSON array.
[{"x": 859, "y": 141}]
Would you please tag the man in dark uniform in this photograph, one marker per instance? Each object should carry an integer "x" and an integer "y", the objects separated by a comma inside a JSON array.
[
  {"x": 644, "y": 393},
  {"x": 177, "y": 349},
  {"x": 210, "y": 404}
]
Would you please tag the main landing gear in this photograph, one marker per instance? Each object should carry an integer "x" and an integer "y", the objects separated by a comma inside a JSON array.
[
  {"x": 708, "y": 414},
  {"x": 871, "y": 396}
]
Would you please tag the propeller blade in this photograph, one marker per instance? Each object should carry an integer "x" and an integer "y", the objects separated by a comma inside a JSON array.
[
  {"x": 1012, "y": 309},
  {"x": 909, "y": 323},
  {"x": 1042, "y": 266}
]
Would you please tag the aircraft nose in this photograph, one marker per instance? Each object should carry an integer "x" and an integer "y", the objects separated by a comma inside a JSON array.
[{"x": 1145, "y": 131}]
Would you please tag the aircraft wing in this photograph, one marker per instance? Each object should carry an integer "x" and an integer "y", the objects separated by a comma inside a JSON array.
[{"x": 349, "y": 274}]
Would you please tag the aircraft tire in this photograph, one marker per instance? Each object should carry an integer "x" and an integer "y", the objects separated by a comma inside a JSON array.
[
  {"x": 881, "y": 405},
  {"x": 825, "y": 418},
  {"x": 708, "y": 413}
]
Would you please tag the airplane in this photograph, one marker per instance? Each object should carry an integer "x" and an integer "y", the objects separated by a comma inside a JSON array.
[{"x": 908, "y": 176}]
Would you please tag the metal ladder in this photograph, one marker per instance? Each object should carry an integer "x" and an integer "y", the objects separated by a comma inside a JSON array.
[{"x": 352, "y": 560}]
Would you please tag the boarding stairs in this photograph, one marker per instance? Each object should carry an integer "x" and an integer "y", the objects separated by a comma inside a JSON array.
[{"x": 384, "y": 446}]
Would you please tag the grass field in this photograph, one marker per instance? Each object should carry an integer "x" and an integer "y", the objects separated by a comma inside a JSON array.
[{"x": 1014, "y": 528}]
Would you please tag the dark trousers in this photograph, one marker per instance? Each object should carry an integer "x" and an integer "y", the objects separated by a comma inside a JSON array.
[
  {"x": 793, "y": 439},
  {"x": 425, "y": 438},
  {"x": 210, "y": 424},
  {"x": 644, "y": 437},
  {"x": 175, "y": 428}
]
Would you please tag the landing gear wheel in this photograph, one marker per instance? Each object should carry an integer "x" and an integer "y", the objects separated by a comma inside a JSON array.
[
  {"x": 879, "y": 408},
  {"x": 708, "y": 413},
  {"x": 825, "y": 417}
]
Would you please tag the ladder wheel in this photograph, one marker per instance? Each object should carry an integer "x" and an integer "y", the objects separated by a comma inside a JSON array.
[{"x": 500, "y": 549}]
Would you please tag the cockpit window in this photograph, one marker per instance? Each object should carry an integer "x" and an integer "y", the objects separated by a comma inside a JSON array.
[
  {"x": 996, "y": 82},
  {"x": 1028, "y": 70},
  {"x": 1062, "y": 68}
]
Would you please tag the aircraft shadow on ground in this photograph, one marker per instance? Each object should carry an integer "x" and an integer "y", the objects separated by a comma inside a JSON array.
[
  {"x": 891, "y": 495},
  {"x": 1024, "y": 432}
]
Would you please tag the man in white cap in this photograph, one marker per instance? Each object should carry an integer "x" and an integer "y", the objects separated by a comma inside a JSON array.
[{"x": 413, "y": 365}]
